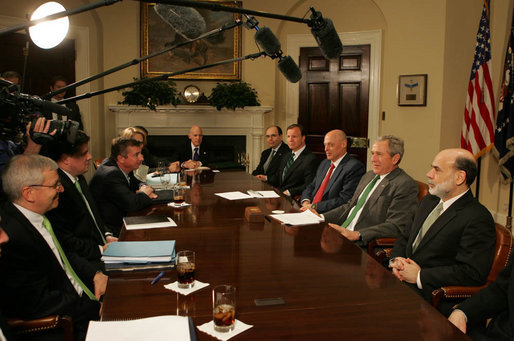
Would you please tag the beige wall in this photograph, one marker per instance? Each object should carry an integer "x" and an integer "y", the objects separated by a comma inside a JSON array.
[{"x": 434, "y": 37}]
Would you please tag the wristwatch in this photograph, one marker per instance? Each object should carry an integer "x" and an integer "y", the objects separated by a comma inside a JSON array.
[{"x": 313, "y": 206}]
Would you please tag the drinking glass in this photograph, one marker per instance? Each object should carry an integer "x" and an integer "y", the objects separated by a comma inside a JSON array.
[
  {"x": 185, "y": 263},
  {"x": 224, "y": 307}
]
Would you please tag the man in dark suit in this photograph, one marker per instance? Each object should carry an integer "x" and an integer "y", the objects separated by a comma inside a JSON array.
[
  {"x": 195, "y": 154},
  {"x": 336, "y": 178},
  {"x": 495, "y": 302},
  {"x": 37, "y": 277},
  {"x": 5, "y": 331},
  {"x": 59, "y": 82},
  {"x": 385, "y": 200},
  {"x": 270, "y": 158},
  {"x": 76, "y": 220},
  {"x": 452, "y": 238},
  {"x": 298, "y": 168},
  {"x": 114, "y": 186}
]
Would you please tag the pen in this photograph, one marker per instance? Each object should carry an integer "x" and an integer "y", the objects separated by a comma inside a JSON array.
[{"x": 159, "y": 276}]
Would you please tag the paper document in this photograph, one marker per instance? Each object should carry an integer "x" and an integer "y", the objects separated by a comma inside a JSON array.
[
  {"x": 157, "y": 328},
  {"x": 263, "y": 194},
  {"x": 233, "y": 195},
  {"x": 148, "y": 222},
  {"x": 303, "y": 218}
]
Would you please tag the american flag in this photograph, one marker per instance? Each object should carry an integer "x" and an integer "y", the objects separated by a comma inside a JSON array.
[{"x": 477, "y": 133}]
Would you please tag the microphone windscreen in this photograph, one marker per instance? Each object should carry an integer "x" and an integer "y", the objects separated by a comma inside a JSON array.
[
  {"x": 328, "y": 40},
  {"x": 289, "y": 69},
  {"x": 185, "y": 21},
  {"x": 268, "y": 41},
  {"x": 53, "y": 107}
]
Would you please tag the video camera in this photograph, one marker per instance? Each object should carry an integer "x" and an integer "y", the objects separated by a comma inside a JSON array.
[{"x": 17, "y": 110}]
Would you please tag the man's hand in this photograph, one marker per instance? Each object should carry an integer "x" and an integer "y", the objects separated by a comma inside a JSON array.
[
  {"x": 111, "y": 239},
  {"x": 100, "y": 282},
  {"x": 148, "y": 191},
  {"x": 286, "y": 192},
  {"x": 190, "y": 164},
  {"x": 262, "y": 177},
  {"x": 410, "y": 271},
  {"x": 174, "y": 167},
  {"x": 105, "y": 246},
  {"x": 397, "y": 264},
  {"x": 350, "y": 235},
  {"x": 306, "y": 205},
  {"x": 41, "y": 126},
  {"x": 458, "y": 318}
]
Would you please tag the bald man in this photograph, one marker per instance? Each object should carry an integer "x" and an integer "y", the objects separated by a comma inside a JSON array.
[
  {"x": 452, "y": 237},
  {"x": 195, "y": 154},
  {"x": 336, "y": 178}
]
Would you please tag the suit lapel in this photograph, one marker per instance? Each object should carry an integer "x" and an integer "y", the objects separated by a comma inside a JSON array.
[
  {"x": 323, "y": 172},
  {"x": 295, "y": 165},
  {"x": 336, "y": 173}
]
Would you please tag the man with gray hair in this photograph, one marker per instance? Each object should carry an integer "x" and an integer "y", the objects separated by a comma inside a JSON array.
[
  {"x": 385, "y": 200},
  {"x": 38, "y": 277}
]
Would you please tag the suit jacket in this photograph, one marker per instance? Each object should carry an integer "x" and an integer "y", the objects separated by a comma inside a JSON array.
[
  {"x": 186, "y": 153},
  {"x": 496, "y": 301},
  {"x": 340, "y": 187},
  {"x": 458, "y": 248},
  {"x": 114, "y": 196},
  {"x": 72, "y": 222},
  {"x": 274, "y": 163},
  {"x": 389, "y": 210},
  {"x": 299, "y": 174},
  {"x": 33, "y": 284}
]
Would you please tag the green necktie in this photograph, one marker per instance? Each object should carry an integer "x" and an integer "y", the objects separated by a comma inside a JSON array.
[
  {"x": 361, "y": 201},
  {"x": 67, "y": 265},
  {"x": 432, "y": 217},
  {"x": 79, "y": 188},
  {"x": 288, "y": 164}
]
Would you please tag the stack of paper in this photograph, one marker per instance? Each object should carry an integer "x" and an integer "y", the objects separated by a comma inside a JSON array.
[
  {"x": 263, "y": 194},
  {"x": 148, "y": 222},
  {"x": 157, "y": 328},
  {"x": 304, "y": 218},
  {"x": 237, "y": 195},
  {"x": 127, "y": 256}
]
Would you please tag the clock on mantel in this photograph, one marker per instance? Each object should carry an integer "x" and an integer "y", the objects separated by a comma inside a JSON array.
[{"x": 193, "y": 95}]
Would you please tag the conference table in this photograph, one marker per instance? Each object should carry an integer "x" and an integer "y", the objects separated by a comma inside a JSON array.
[{"x": 331, "y": 288}]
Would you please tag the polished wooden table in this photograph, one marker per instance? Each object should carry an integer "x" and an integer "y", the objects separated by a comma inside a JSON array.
[{"x": 332, "y": 289}]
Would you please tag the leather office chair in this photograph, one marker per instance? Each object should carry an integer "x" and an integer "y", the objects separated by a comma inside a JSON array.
[
  {"x": 22, "y": 327},
  {"x": 502, "y": 252},
  {"x": 385, "y": 243}
]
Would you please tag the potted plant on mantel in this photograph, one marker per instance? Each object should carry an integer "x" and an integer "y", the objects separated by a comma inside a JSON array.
[
  {"x": 151, "y": 94},
  {"x": 233, "y": 95}
]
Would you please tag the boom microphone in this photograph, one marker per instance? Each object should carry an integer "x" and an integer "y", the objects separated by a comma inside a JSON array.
[
  {"x": 325, "y": 34},
  {"x": 268, "y": 41},
  {"x": 186, "y": 21},
  {"x": 289, "y": 69}
]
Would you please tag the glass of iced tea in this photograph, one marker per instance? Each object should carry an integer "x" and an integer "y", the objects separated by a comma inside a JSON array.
[
  {"x": 224, "y": 307},
  {"x": 179, "y": 195},
  {"x": 185, "y": 264}
]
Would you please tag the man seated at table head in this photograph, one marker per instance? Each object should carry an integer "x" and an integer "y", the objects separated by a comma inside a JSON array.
[
  {"x": 297, "y": 168},
  {"x": 195, "y": 154},
  {"x": 385, "y": 200},
  {"x": 37, "y": 277},
  {"x": 452, "y": 237},
  {"x": 114, "y": 186},
  {"x": 336, "y": 178},
  {"x": 270, "y": 158},
  {"x": 489, "y": 314},
  {"x": 76, "y": 220}
]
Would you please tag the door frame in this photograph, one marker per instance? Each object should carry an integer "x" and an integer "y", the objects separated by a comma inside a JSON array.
[{"x": 372, "y": 38}]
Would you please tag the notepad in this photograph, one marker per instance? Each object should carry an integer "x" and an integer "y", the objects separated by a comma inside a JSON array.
[
  {"x": 237, "y": 195},
  {"x": 148, "y": 222},
  {"x": 165, "y": 328},
  {"x": 304, "y": 218}
]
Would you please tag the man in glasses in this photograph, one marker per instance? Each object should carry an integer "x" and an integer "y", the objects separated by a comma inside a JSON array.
[{"x": 38, "y": 277}]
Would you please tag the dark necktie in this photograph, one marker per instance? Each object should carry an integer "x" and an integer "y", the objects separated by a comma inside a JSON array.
[
  {"x": 288, "y": 164},
  {"x": 196, "y": 157},
  {"x": 361, "y": 201},
  {"x": 321, "y": 190},
  {"x": 67, "y": 266},
  {"x": 79, "y": 188}
]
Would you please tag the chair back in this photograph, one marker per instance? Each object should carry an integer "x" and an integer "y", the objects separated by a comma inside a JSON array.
[
  {"x": 422, "y": 190},
  {"x": 502, "y": 251},
  {"x": 97, "y": 163}
]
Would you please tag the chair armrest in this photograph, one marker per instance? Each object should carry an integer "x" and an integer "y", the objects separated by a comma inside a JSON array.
[
  {"x": 43, "y": 323},
  {"x": 380, "y": 242},
  {"x": 453, "y": 292}
]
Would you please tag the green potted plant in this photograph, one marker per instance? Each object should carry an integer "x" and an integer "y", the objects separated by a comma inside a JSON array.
[
  {"x": 151, "y": 94},
  {"x": 233, "y": 95}
]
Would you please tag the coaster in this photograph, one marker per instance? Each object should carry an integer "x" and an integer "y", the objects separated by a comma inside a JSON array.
[
  {"x": 239, "y": 327},
  {"x": 184, "y": 204},
  {"x": 174, "y": 287}
]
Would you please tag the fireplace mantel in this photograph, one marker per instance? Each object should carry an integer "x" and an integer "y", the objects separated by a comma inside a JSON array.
[{"x": 170, "y": 120}]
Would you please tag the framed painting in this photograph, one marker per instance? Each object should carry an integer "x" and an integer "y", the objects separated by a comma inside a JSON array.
[
  {"x": 157, "y": 35},
  {"x": 412, "y": 90}
]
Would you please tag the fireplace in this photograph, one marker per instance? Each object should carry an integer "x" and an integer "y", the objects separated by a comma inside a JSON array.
[{"x": 172, "y": 123}]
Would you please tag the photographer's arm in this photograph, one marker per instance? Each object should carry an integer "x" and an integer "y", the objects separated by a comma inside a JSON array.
[{"x": 41, "y": 126}]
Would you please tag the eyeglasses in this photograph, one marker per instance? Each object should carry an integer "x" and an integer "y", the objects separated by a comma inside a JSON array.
[{"x": 57, "y": 186}]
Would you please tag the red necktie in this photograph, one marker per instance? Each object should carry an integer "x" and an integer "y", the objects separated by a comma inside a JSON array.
[{"x": 321, "y": 190}]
